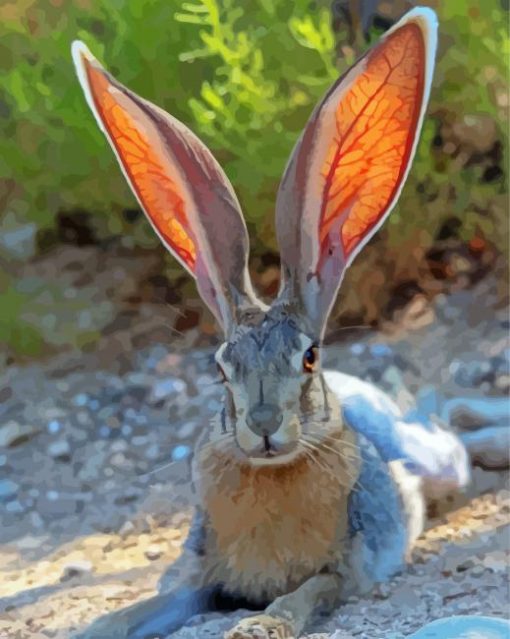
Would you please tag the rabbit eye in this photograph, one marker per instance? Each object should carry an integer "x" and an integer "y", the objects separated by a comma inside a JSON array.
[{"x": 310, "y": 359}]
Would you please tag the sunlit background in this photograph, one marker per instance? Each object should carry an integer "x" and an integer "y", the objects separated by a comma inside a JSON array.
[
  {"x": 244, "y": 77},
  {"x": 107, "y": 376}
]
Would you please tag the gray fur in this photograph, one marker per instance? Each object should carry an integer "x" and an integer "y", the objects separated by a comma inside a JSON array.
[{"x": 279, "y": 407}]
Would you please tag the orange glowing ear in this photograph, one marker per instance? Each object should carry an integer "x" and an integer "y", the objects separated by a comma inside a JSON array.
[
  {"x": 350, "y": 165},
  {"x": 179, "y": 185}
]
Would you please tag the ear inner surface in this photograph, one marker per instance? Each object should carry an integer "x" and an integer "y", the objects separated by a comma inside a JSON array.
[
  {"x": 375, "y": 125},
  {"x": 348, "y": 168},
  {"x": 144, "y": 164},
  {"x": 180, "y": 186}
]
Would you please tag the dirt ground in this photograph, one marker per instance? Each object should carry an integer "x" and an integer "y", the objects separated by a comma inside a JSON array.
[{"x": 95, "y": 498}]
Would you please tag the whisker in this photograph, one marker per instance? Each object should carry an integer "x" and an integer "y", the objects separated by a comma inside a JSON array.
[
  {"x": 318, "y": 446},
  {"x": 321, "y": 440}
]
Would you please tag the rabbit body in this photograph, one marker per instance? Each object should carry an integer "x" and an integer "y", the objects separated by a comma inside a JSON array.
[
  {"x": 303, "y": 479},
  {"x": 263, "y": 531}
]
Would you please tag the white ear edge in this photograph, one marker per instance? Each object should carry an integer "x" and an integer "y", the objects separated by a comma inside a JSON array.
[
  {"x": 80, "y": 51},
  {"x": 426, "y": 19}
]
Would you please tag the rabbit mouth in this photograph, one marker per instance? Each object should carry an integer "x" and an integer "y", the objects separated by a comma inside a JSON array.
[{"x": 270, "y": 453}]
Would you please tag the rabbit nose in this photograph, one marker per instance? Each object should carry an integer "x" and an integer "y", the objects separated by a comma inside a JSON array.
[{"x": 264, "y": 419}]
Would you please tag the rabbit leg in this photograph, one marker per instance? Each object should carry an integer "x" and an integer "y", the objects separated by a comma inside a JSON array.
[{"x": 286, "y": 617}]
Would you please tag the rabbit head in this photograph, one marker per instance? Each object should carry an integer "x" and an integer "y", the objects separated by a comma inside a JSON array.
[{"x": 342, "y": 180}]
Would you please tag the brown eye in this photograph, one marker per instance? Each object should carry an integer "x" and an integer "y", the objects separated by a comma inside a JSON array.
[
  {"x": 310, "y": 359},
  {"x": 221, "y": 373}
]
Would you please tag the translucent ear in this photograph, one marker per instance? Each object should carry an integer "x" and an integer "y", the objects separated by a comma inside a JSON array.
[
  {"x": 180, "y": 186},
  {"x": 350, "y": 164}
]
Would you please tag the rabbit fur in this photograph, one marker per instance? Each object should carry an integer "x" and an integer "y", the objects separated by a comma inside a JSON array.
[{"x": 309, "y": 482}]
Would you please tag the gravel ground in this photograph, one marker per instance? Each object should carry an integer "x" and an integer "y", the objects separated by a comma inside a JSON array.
[{"x": 95, "y": 498}]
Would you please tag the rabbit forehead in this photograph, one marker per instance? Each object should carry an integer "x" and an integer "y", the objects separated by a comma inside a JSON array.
[{"x": 271, "y": 340}]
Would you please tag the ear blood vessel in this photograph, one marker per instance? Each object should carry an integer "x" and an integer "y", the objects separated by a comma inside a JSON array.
[{"x": 306, "y": 493}]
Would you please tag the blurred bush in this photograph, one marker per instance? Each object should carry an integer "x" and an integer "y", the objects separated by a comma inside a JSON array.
[{"x": 245, "y": 77}]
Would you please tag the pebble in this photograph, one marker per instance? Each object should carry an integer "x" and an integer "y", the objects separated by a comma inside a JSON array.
[
  {"x": 152, "y": 452},
  {"x": 60, "y": 450},
  {"x": 358, "y": 349},
  {"x": 13, "y": 433},
  {"x": 14, "y": 507},
  {"x": 36, "y": 520},
  {"x": 76, "y": 569},
  {"x": 165, "y": 387},
  {"x": 104, "y": 432},
  {"x": 8, "y": 489},
  {"x": 126, "y": 529},
  {"x": 80, "y": 399},
  {"x": 180, "y": 452},
  {"x": 153, "y": 552},
  {"x": 380, "y": 350},
  {"x": 126, "y": 430},
  {"x": 186, "y": 430},
  {"x": 54, "y": 426}
]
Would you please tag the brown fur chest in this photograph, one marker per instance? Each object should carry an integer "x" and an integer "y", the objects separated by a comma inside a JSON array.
[{"x": 270, "y": 528}]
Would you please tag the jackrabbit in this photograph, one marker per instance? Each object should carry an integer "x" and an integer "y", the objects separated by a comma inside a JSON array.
[{"x": 309, "y": 482}]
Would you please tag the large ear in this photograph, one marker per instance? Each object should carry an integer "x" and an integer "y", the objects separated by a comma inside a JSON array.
[
  {"x": 349, "y": 166},
  {"x": 180, "y": 186}
]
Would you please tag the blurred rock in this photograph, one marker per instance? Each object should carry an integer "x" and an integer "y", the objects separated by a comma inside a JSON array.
[
  {"x": 489, "y": 447},
  {"x": 13, "y": 433},
  {"x": 180, "y": 452},
  {"x": 478, "y": 132},
  {"x": 17, "y": 241},
  {"x": 60, "y": 450},
  {"x": 163, "y": 388},
  {"x": 153, "y": 552},
  {"x": 76, "y": 569},
  {"x": 8, "y": 489}
]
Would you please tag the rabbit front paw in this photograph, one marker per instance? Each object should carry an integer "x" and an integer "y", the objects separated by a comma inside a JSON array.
[{"x": 261, "y": 627}]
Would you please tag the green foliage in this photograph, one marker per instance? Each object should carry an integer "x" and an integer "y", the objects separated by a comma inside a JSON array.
[
  {"x": 20, "y": 335},
  {"x": 470, "y": 88},
  {"x": 245, "y": 77}
]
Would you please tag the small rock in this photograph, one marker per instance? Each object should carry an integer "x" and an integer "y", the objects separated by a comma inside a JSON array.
[
  {"x": 54, "y": 426},
  {"x": 14, "y": 507},
  {"x": 180, "y": 452},
  {"x": 104, "y": 432},
  {"x": 18, "y": 240},
  {"x": 126, "y": 529},
  {"x": 36, "y": 520},
  {"x": 126, "y": 430},
  {"x": 60, "y": 450},
  {"x": 76, "y": 569},
  {"x": 12, "y": 433},
  {"x": 380, "y": 350},
  {"x": 80, "y": 399},
  {"x": 478, "y": 570},
  {"x": 166, "y": 387},
  {"x": 152, "y": 452},
  {"x": 477, "y": 131},
  {"x": 186, "y": 430},
  {"x": 8, "y": 489},
  {"x": 357, "y": 349},
  {"x": 153, "y": 552}
]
